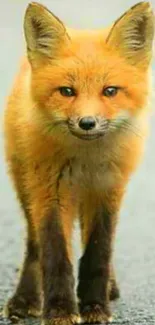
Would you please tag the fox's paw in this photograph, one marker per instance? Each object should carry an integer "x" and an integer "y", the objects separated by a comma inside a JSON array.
[
  {"x": 62, "y": 320},
  {"x": 18, "y": 307},
  {"x": 95, "y": 314}
]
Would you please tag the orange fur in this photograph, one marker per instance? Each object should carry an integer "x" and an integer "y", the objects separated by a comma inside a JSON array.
[{"x": 37, "y": 150}]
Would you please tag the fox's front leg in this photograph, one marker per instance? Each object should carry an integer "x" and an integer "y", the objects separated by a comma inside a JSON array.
[
  {"x": 98, "y": 228},
  {"x": 54, "y": 230}
]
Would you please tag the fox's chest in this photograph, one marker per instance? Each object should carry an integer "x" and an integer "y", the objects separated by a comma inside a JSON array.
[{"x": 90, "y": 172}]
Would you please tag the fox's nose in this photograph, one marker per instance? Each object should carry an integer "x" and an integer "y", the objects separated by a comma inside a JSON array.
[{"x": 87, "y": 123}]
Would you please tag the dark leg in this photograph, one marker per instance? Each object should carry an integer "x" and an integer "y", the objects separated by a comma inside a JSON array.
[
  {"x": 94, "y": 271},
  {"x": 58, "y": 282},
  {"x": 27, "y": 298},
  {"x": 96, "y": 277}
]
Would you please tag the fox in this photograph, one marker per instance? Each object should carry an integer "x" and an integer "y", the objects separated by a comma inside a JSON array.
[{"x": 75, "y": 126}]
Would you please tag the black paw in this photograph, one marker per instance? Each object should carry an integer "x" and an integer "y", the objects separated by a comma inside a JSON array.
[
  {"x": 61, "y": 313},
  {"x": 62, "y": 320},
  {"x": 18, "y": 307},
  {"x": 95, "y": 314}
]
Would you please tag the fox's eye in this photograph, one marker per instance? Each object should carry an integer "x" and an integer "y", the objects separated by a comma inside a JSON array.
[
  {"x": 67, "y": 91},
  {"x": 110, "y": 91}
]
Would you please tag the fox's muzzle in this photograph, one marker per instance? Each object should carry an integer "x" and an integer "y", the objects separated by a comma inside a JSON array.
[{"x": 87, "y": 127}]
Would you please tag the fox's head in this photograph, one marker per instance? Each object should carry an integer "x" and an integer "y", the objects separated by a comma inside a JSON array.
[{"x": 90, "y": 83}]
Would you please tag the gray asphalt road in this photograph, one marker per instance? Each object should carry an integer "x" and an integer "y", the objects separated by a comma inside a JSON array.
[{"x": 135, "y": 245}]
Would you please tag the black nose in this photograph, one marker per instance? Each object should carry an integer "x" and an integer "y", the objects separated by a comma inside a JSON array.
[{"x": 87, "y": 123}]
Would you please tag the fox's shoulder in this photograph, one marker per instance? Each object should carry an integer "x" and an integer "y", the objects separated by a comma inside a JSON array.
[
  {"x": 21, "y": 84},
  {"x": 23, "y": 74}
]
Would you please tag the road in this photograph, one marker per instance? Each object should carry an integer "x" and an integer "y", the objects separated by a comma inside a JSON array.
[{"x": 135, "y": 244}]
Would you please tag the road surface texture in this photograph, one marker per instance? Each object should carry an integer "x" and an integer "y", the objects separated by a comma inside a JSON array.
[{"x": 135, "y": 244}]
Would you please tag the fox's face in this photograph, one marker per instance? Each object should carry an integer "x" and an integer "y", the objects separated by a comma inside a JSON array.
[{"x": 90, "y": 83}]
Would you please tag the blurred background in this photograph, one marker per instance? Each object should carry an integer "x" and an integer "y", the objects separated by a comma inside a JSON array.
[{"x": 135, "y": 245}]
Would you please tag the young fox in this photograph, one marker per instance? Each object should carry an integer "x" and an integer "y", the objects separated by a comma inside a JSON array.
[{"x": 75, "y": 126}]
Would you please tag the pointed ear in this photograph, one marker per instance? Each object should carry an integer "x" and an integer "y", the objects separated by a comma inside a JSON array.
[
  {"x": 132, "y": 35},
  {"x": 45, "y": 34}
]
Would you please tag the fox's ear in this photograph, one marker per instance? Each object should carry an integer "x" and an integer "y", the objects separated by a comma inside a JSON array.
[
  {"x": 44, "y": 32},
  {"x": 132, "y": 34}
]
